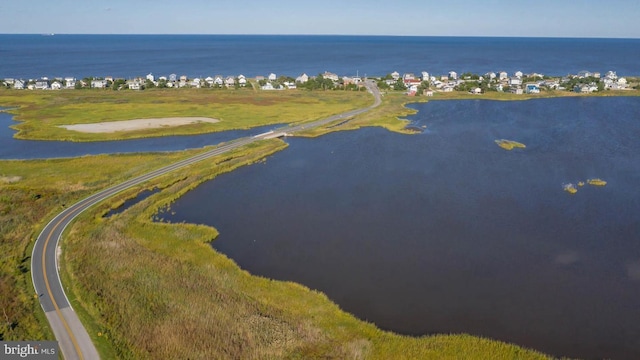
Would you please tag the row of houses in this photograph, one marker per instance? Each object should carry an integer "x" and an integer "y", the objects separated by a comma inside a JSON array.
[
  {"x": 449, "y": 82},
  {"x": 517, "y": 83},
  {"x": 134, "y": 84}
]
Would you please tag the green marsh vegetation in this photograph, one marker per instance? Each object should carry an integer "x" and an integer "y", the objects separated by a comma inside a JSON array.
[
  {"x": 31, "y": 193},
  {"x": 40, "y": 113}
]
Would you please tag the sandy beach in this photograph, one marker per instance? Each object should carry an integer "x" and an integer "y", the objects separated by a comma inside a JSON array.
[{"x": 136, "y": 124}]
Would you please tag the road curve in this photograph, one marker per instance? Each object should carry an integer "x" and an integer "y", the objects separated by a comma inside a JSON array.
[{"x": 72, "y": 337}]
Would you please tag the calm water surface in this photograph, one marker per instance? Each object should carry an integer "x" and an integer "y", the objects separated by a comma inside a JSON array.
[
  {"x": 445, "y": 232},
  {"x": 32, "y": 56}
]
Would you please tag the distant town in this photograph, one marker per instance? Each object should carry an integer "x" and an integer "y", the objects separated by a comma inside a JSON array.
[{"x": 424, "y": 84}]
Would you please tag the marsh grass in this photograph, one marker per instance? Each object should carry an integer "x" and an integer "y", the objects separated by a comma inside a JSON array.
[
  {"x": 40, "y": 113},
  {"x": 31, "y": 193},
  {"x": 389, "y": 115}
]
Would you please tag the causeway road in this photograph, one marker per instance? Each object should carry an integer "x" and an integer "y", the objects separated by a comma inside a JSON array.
[{"x": 72, "y": 337}]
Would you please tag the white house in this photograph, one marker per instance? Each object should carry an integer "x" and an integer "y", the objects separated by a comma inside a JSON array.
[
  {"x": 230, "y": 81},
  {"x": 196, "y": 83},
  {"x": 585, "y": 88},
  {"x": 242, "y": 80},
  {"x": 134, "y": 85},
  {"x": 453, "y": 75},
  {"x": 70, "y": 82},
  {"x": 272, "y": 77},
  {"x": 395, "y": 75},
  {"x": 516, "y": 90},
  {"x": 41, "y": 84},
  {"x": 518, "y": 74},
  {"x": 425, "y": 76},
  {"x": 150, "y": 77},
  {"x": 209, "y": 80},
  {"x": 331, "y": 76},
  {"x": 503, "y": 75},
  {"x": 173, "y": 77},
  {"x": 514, "y": 81},
  {"x": 98, "y": 84},
  {"x": 490, "y": 75},
  {"x": 18, "y": 84},
  {"x": 218, "y": 80},
  {"x": 428, "y": 92},
  {"x": 267, "y": 86},
  {"x": 302, "y": 78},
  {"x": 447, "y": 88},
  {"x": 532, "y": 89},
  {"x": 56, "y": 85},
  {"x": 408, "y": 76},
  {"x": 476, "y": 91}
]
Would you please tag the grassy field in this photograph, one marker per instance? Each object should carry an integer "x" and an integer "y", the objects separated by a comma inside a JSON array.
[
  {"x": 42, "y": 112},
  {"x": 154, "y": 290},
  {"x": 32, "y": 192}
]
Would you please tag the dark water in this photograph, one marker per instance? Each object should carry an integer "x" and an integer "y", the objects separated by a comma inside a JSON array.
[
  {"x": 33, "y": 56},
  {"x": 445, "y": 232},
  {"x": 11, "y": 148},
  {"x": 130, "y": 202}
]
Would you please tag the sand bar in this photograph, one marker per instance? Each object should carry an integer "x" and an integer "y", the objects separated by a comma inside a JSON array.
[{"x": 137, "y": 124}]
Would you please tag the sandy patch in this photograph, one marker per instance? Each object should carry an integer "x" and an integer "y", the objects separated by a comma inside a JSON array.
[
  {"x": 137, "y": 124},
  {"x": 9, "y": 179}
]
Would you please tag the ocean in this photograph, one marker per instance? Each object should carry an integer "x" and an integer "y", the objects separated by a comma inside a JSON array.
[{"x": 127, "y": 56}]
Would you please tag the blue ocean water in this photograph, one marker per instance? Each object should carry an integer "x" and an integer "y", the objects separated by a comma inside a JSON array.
[{"x": 32, "y": 56}]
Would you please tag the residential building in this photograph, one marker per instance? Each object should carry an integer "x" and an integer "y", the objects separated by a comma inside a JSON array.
[
  {"x": 99, "y": 84},
  {"x": 242, "y": 80},
  {"x": 134, "y": 85},
  {"x": 331, "y": 76},
  {"x": 453, "y": 75},
  {"x": 302, "y": 78},
  {"x": 532, "y": 89},
  {"x": 42, "y": 84},
  {"x": 70, "y": 82}
]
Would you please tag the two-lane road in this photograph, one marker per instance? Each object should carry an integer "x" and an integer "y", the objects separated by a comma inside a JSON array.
[{"x": 72, "y": 337}]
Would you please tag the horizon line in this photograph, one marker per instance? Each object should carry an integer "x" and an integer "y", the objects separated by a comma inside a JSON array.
[{"x": 325, "y": 35}]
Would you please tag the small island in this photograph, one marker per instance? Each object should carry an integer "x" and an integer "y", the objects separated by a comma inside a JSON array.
[
  {"x": 509, "y": 144},
  {"x": 596, "y": 182}
]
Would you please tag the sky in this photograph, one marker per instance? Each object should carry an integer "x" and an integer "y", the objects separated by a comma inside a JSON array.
[{"x": 529, "y": 18}]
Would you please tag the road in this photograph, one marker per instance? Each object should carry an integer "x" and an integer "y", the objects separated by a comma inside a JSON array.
[{"x": 72, "y": 337}]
